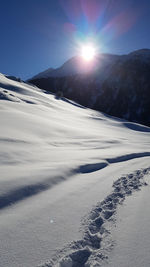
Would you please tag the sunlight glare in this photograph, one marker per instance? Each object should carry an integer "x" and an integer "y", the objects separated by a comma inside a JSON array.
[{"x": 88, "y": 52}]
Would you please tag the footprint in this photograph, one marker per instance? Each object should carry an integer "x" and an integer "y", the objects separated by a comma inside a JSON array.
[
  {"x": 93, "y": 240},
  {"x": 108, "y": 213},
  {"x": 110, "y": 206},
  {"x": 95, "y": 226},
  {"x": 95, "y": 214},
  {"x": 80, "y": 257}
]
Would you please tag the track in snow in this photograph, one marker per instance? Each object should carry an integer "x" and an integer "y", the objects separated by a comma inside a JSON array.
[{"x": 97, "y": 242}]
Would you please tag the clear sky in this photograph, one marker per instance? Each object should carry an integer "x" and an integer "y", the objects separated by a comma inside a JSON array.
[{"x": 38, "y": 34}]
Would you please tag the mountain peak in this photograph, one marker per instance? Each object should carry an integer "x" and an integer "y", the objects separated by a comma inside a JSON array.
[
  {"x": 112, "y": 80},
  {"x": 76, "y": 65}
]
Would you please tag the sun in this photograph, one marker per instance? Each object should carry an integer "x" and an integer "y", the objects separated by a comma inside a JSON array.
[{"x": 88, "y": 52}]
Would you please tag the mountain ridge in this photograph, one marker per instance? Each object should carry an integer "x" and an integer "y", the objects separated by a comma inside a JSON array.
[
  {"x": 117, "y": 85},
  {"x": 52, "y": 72}
]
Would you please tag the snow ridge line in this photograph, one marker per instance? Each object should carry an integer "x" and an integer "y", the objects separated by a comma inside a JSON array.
[
  {"x": 128, "y": 157},
  {"x": 23, "y": 192},
  {"x": 93, "y": 248}
]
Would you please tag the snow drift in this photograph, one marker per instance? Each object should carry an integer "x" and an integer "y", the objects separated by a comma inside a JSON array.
[{"x": 59, "y": 159}]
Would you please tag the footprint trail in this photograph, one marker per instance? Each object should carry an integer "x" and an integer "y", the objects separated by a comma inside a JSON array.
[{"x": 93, "y": 249}]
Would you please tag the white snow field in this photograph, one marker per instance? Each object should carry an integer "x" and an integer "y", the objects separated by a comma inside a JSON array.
[
  {"x": 132, "y": 234},
  {"x": 67, "y": 176}
]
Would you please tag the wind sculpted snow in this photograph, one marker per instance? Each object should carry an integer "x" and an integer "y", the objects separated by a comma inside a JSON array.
[{"x": 57, "y": 160}]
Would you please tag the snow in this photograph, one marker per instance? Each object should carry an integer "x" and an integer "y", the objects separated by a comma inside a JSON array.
[
  {"x": 58, "y": 164},
  {"x": 97, "y": 239},
  {"x": 131, "y": 234}
]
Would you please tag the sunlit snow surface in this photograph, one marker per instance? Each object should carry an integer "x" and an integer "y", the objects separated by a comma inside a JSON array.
[{"x": 57, "y": 161}]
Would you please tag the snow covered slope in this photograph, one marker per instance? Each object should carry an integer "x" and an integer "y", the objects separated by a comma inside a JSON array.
[{"x": 57, "y": 161}]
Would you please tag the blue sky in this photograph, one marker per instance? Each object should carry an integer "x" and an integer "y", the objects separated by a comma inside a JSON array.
[{"x": 39, "y": 34}]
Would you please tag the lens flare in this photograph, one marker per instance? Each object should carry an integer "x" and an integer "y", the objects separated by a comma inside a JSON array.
[{"x": 88, "y": 52}]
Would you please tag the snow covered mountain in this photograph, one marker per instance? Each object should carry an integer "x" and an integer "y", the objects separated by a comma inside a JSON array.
[
  {"x": 117, "y": 85},
  {"x": 59, "y": 163}
]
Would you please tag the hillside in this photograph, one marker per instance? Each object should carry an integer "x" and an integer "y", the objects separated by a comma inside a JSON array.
[
  {"x": 116, "y": 85},
  {"x": 65, "y": 170}
]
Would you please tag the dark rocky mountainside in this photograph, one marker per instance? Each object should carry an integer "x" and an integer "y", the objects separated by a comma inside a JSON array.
[{"x": 117, "y": 85}]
